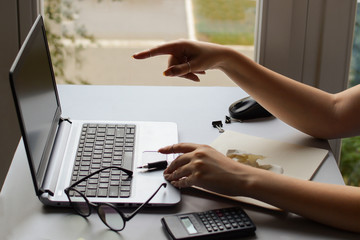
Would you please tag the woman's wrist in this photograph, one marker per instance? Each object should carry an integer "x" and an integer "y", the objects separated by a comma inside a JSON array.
[
  {"x": 226, "y": 58},
  {"x": 247, "y": 178},
  {"x": 236, "y": 65}
]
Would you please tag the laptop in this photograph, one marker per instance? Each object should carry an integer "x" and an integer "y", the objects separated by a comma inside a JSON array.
[{"x": 55, "y": 145}]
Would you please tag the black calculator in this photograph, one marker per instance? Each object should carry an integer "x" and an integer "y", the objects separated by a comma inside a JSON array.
[{"x": 214, "y": 224}]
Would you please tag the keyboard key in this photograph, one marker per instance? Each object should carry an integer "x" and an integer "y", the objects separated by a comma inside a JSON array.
[
  {"x": 125, "y": 188},
  {"x": 88, "y": 149},
  {"x": 101, "y": 130},
  {"x": 93, "y": 181},
  {"x": 102, "y": 192},
  {"x": 110, "y": 131},
  {"x": 127, "y": 160},
  {"x": 114, "y": 182},
  {"x": 115, "y": 177},
  {"x": 91, "y": 192},
  {"x": 120, "y": 132},
  {"x": 113, "y": 191},
  {"x": 91, "y": 131},
  {"x": 124, "y": 194},
  {"x": 125, "y": 183},
  {"x": 105, "y": 164},
  {"x": 85, "y": 168}
]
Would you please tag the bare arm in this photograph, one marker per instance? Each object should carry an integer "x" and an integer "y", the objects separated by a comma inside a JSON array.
[
  {"x": 333, "y": 205},
  {"x": 203, "y": 166},
  {"x": 308, "y": 109}
]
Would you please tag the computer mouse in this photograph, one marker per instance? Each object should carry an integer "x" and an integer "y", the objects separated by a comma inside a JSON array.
[{"x": 247, "y": 109}]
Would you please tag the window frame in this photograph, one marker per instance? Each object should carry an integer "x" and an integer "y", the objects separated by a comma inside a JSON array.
[
  {"x": 300, "y": 39},
  {"x": 309, "y": 41}
]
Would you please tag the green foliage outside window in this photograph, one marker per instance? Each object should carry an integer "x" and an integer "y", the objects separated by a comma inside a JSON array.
[
  {"x": 350, "y": 163},
  {"x": 229, "y": 22},
  {"x": 350, "y": 150},
  {"x": 354, "y": 78},
  {"x": 57, "y": 12}
]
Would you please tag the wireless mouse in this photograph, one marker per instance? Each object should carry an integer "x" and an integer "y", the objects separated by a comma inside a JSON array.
[{"x": 247, "y": 109}]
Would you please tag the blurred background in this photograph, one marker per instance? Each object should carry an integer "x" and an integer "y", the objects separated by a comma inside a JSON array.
[{"x": 92, "y": 42}]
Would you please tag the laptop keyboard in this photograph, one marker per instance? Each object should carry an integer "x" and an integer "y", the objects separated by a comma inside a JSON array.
[{"x": 104, "y": 145}]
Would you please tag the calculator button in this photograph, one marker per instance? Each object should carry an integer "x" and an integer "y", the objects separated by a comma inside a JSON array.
[
  {"x": 228, "y": 226},
  {"x": 248, "y": 223}
]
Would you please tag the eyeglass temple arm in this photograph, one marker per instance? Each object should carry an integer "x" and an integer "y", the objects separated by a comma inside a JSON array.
[
  {"x": 128, "y": 172},
  {"x": 142, "y": 205}
]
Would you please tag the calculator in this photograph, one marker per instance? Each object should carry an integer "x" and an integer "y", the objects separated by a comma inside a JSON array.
[{"x": 214, "y": 224}]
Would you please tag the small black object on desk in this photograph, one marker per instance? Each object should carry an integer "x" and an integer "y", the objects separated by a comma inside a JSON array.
[
  {"x": 218, "y": 125},
  {"x": 160, "y": 165},
  {"x": 247, "y": 109}
]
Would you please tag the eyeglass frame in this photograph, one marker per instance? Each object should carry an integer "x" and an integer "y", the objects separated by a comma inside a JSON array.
[{"x": 91, "y": 205}]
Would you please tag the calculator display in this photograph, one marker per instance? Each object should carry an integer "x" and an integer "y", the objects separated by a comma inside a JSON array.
[{"x": 188, "y": 225}]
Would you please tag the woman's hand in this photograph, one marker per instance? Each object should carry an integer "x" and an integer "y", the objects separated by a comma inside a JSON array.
[
  {"x": 188, "y": 58},
  {"x": 203, "y": 166}
]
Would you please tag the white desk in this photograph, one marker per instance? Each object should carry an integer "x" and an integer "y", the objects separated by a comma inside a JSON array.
[{"x": 22, "y": 216}]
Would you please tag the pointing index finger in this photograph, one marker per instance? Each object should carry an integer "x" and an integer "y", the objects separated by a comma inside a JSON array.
[{"x": 168, "y": 48}]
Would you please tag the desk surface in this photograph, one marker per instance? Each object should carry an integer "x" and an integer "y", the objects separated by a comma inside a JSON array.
[{"x": 22, "y": 216}]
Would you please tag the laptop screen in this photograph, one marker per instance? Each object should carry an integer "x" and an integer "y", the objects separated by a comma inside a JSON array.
[{"x": 36, "y": 99}]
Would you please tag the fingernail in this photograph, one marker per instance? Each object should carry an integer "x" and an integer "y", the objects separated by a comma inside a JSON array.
[
  {"x": 168, "y": 73},
  {"x": 166, "y": 176}
]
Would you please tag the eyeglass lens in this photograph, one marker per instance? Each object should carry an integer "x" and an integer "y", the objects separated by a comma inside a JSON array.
[
  {"x": 111, "y": 217},
  {"x": 108, "y": 213},
  {"x": 79, "y": 203}
]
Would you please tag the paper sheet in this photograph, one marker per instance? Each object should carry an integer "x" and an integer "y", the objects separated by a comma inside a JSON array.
[{"x": 296, "y": 160}]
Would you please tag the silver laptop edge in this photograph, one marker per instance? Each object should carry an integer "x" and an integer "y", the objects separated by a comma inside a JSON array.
[{"x": 52, "y": 174}]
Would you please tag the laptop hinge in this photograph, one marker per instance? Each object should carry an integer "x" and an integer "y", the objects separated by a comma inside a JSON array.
[
  {"x": 41, "y": 191},
  {"x": 53, "y": 169},
  {"x": 65, "y": 119}
]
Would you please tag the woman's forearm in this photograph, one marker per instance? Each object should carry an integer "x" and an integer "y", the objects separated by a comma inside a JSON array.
[
  {"x": 315, "y": 112},
  {"x": 333, "y": 205},
  {"x": 306, "y": 108}
]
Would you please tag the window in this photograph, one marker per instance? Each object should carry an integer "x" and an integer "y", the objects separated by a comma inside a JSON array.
[
  {"x": 92, "y": 41},
  {"x": 309, "y": 41}
]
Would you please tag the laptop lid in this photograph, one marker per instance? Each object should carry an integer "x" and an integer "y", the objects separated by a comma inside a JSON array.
[{"x": 36, "y": 100}]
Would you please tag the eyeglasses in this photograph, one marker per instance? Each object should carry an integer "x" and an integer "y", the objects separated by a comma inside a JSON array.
[{"x": 108, "y": 213}]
